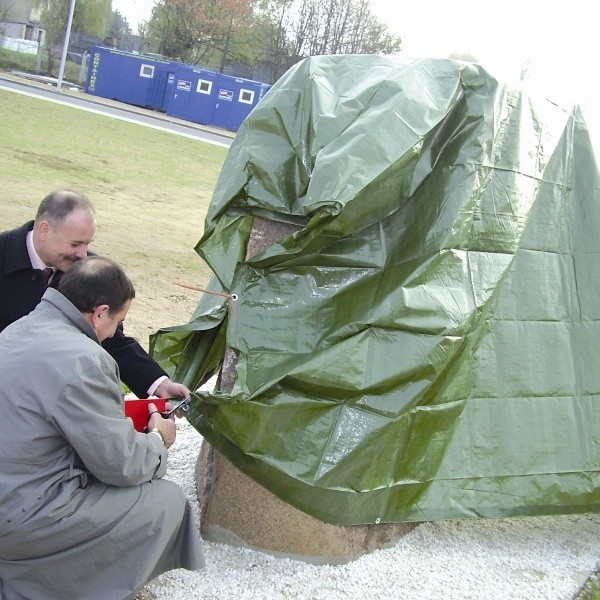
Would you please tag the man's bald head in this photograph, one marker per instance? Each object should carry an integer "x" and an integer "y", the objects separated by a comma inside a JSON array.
[{"x": 95, "y": 281}]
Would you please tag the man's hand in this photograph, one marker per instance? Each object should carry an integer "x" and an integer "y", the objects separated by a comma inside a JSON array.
[
  {"x": 170, "y": 389},
  {"x": 166, "y": 427}
]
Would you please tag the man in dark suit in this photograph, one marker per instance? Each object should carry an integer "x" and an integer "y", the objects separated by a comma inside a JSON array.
[{"x": 59, "y": 236}]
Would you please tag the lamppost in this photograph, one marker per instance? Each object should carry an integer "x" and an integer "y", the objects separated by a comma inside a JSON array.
[{"x": 63, "y": 59}]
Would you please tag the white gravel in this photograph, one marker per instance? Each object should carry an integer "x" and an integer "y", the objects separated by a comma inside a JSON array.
[{"x": 545, "y": 558}]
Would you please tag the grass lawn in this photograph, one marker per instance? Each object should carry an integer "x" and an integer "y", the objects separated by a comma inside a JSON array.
[{"x": 151, "y": 190}]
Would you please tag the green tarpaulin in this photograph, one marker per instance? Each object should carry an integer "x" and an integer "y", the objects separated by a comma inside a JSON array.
[{"x": 424, "y": 343}]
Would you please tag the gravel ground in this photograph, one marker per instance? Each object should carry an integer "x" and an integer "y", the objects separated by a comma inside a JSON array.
[{"x": 545, "y": 558}]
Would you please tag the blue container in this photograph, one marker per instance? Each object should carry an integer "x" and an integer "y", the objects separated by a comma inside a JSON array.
[
  {"x": 180, "y": 90},
  {"x": 136, "y": 79},
  {"x": 235, "y": 99},
  {"x": 193, "y": 95}
]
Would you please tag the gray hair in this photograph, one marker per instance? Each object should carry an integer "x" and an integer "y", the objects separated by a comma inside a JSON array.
[{"x": 57, "y": 205}]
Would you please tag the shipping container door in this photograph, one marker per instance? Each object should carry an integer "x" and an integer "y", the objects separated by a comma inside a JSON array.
[
  {"x": 226, "y": 92},
  {"x": 157, "y": 89},
  {"x": 203, "y": 97}
]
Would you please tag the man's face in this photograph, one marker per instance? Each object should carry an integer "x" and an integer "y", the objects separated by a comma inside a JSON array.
[
  {"x": 106, "y": 324},
  {"x": 63, "y": 243}
]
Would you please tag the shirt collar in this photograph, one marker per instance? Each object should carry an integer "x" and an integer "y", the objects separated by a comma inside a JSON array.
[{"x": 36, "y": 261}]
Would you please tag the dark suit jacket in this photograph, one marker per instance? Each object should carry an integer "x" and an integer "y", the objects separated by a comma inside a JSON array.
[{"x": 21, "y": 290}]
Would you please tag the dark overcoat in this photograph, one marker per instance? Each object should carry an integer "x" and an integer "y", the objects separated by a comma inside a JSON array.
[{"x": 21, "y": 290}]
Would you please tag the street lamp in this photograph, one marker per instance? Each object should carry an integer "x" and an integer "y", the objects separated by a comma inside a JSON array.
[{"x": 63, "y": 59}]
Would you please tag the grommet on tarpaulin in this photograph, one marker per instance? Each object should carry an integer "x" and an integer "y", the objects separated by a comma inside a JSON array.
[{"x": 230, "y": 297}]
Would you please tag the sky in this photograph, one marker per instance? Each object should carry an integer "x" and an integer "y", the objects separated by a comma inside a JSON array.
[
  {"x": 557, "y": 41},
  {"x": 134, "y": 11}
]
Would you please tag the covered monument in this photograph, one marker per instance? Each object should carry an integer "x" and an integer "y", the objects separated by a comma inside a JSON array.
[{"x": 423, "y": 340}]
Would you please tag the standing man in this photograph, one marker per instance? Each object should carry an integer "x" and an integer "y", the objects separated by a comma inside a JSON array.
[
  {"x": 84, "y": 512},
  {"x": 59, "y": 237}
]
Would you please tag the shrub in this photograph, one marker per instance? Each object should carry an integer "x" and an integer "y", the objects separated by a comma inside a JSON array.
[{"x": 11, "y": 60}]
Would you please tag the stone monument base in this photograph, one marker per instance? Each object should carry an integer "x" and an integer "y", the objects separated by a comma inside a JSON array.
[{"x": 236, "y": 510}]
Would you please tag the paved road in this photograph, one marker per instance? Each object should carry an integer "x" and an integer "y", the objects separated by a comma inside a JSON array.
[{"x": 114, "y": 109}]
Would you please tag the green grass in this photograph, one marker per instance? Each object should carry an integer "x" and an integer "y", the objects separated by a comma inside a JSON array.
[{"x": 151, "y": 190}]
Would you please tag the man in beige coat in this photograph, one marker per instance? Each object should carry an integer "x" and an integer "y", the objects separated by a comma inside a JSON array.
[{"x": 84, "y": 512}]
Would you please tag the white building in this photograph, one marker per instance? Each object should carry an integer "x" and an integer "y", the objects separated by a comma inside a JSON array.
[{"x": 20, "y": 26}]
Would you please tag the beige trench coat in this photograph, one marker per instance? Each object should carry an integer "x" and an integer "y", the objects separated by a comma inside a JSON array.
[{"x": 83, "y": 511}]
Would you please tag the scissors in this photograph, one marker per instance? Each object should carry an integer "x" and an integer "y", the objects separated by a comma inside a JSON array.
[{"x": 183, "y": 405}]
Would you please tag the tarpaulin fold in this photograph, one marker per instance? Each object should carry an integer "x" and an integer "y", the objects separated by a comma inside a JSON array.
[{"x": 424, "y": 343}]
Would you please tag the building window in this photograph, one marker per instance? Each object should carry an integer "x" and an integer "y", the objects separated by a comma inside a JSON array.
[
  {"x": 30, "y": 33},
  {"x": 147, "y": 71},
  {"x": 246, "y": 96},
  {"x": 204, "y": 86}
]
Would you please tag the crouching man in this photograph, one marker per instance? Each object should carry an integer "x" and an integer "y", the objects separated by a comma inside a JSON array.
[{"x": 84, "y": 512}]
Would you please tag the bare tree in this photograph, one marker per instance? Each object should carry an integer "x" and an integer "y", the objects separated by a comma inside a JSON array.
[{"x": 296, "y": 29}]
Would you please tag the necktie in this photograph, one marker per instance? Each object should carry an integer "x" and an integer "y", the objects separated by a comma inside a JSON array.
[{"x": 45, "y": 276}]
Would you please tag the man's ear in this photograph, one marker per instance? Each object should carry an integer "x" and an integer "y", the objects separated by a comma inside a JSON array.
[
  {"x": 43, "y": 227},
  {"x": 100, "y": 312}
]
